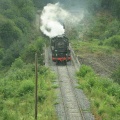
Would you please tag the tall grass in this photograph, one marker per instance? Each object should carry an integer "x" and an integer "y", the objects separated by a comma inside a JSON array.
[
  {"x": 17, "y": 93},
  {"x": 94, "y": 46},
  {"x": 103, "y": 93}
]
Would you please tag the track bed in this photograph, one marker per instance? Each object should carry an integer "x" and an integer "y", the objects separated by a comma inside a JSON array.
[{"x": 72, "y": 103}]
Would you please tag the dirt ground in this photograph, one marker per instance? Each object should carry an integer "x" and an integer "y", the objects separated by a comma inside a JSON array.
[{"x": 103, "y": 65}]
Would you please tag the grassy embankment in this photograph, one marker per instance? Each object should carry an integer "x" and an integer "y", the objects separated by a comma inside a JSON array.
[
  {"x": 99, "y": 49},
  {"x": 17, "y": 93},
  {"x": 19, "y": 41},
  {"x": 103, "y": 92}
]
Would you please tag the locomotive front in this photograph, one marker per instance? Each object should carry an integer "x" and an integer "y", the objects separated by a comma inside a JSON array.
[{"x": 60, "y": 49}]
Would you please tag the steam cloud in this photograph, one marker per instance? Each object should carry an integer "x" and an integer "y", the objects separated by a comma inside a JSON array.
[{"x": 54, "y": 18}]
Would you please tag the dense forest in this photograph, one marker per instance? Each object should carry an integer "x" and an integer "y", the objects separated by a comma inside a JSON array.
[
  {"x": 17, "y": 19},
  {"x": 20, "y": 40}
]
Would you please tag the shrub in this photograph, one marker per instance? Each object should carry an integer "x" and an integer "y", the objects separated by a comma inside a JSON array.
[
  {"x": 12, "y": 53},
  {"x": 84, "y": 70},
  {"x": 30, "y": 50},
  {"x": 9, "y": 32},
  {"x": 42, "y": 97},
  {"x": 26, "y": 86},
  {"x": 7, "y": 58},
  {"x": 23, "y": 24},
  {"x": 8, "y": 89},
  {"x": 28, "y": 13},
  {"x": 18, "y": 63},
  {"x": 103, "y": 93},
  {"x": 20, "y": 74},
  {"x": 112, "y": 29},
  {"x": 5, "y": 4},
  {"x": 1, "y": 53},
  {"x": 116, "y": 75},
  {"x": 114, "y": 41}
]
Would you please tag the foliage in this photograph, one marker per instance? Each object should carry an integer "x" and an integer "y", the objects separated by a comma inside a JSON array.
[
  {"x": 104, "y": 104},
  {"x": 116, "y": 75},
  {"x": 84, "y": 70},
  {"x": 15, "y": 27},
  {"x": 114, "y": 41},
  {"x": 113, "y": 28},
  {"x": 5, "y": 4},
  {"x": 23, "y": 24},
  {"x": 19, "y": 41},
  {"x": 9, "y": 32},
  {"x": 20, "y": 70},
  {"x": 112, "y": 5},
  {"x": 13, "y": 52},
  {"x": 30, "y": 50},
  {"x": 28, "y": 13},
  {"x": 1, "y": 53},
  {"x": 95, "y": 46},
  {"x": 17, "y": 95},
  {"x": 18, "y": 63},
  {"x": 26, "y": 86}
]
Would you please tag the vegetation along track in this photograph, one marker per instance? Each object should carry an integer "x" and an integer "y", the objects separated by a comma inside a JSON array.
[{"x": 72, "y": 103}]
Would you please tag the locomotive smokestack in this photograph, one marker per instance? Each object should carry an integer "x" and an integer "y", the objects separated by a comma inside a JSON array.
[{"x": 51, "y": 18}]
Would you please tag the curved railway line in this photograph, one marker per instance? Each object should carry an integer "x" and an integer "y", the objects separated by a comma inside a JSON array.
[{"x": 72, "y": 103}]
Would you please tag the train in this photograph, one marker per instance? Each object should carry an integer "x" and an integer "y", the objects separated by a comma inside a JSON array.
[{"x": 60, "y": 49}]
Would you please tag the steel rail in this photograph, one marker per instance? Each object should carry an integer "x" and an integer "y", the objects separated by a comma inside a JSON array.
[
  {"x": 73, "y": 88},
  {"x": 61, "y": 92},
  {"x": 74, "y": 92}
]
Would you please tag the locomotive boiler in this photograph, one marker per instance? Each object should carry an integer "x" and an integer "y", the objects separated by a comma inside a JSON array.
[{"x": 60, "y": 49}]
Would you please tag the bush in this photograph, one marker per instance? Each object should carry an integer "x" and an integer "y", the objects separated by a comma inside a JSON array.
[
  {"x": 18, "y": 63},
  {"x": 8, "y": 89},
  {"x": 1, "y": 53},
  {"x": 8, "y": 58},
  {"x": 5, "y": 4},
  {"x": 6, "y": 115},
  {"x": 28, "y": 13},
  {"x": 114, "y": 41},
  {"x": 23, "y": 24},
  {"x": 84, "y": 69},
  {"x": 114, "y": 90},
  {"x": 13, "y": 52},
  {"x": 30, "y": 50},
  {"x": 26, "y": 86},
  {"x": 9, "y": 32},
  {"x": 20, "y": 74},
  {"x": 103, "y": 93},
  {"x": 113, "y": 28},
  {"x": 116, "y": 75}
]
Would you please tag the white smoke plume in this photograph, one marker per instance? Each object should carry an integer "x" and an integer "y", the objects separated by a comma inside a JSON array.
[{"x": 54, "y": 18}]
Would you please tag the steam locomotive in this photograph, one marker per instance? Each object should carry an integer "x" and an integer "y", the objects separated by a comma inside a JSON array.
[{"x": 60, "y": 49}]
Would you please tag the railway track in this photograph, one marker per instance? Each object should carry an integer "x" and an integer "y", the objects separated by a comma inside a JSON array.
[
  {"x": 72, "y": 109},
  {"x": 72, "y": 103}
]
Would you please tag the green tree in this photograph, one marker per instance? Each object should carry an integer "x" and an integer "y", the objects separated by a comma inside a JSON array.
[
  {"x": 9, "y": 32},
  {"x": 23, "y": 24},
  {"x": 5, "y": 4},
  {"x": 28, "y": 13}
]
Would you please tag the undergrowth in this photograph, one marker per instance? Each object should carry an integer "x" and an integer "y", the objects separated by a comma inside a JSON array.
[
  {"x": 17, "y": 93},
  {"x": 104, "y": 94},
  {"x": 95, "y": 46}
]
